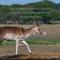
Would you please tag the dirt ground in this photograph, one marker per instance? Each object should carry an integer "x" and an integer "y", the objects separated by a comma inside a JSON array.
[
  {"x": 43, "y": 56},
  {"x": 38, "y": 52}
]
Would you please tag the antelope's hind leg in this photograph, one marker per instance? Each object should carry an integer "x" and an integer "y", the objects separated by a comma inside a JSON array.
[{"x": 23, "y": 41}]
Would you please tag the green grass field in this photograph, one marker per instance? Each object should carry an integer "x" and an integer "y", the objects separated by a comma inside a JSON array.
[{"x": 35, "y": 41}]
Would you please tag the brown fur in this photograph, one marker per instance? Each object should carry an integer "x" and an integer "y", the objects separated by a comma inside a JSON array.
[{"x": 14, "y": 30}]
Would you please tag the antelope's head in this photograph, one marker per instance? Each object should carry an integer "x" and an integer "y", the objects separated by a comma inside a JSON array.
[{"x": 37, "y": 29}]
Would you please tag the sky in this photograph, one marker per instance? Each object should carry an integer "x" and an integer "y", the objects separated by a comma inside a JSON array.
[{"x": 9, "y": 2}]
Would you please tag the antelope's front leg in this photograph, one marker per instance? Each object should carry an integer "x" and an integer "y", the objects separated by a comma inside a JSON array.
[
  {"x": 17, "y": 44},
  {"x": 23, "y": 41}
]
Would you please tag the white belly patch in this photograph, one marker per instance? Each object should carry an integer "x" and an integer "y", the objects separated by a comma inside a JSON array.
[
  {"x": 9, "y": 36},
  {"x": 14, "y": 37}
]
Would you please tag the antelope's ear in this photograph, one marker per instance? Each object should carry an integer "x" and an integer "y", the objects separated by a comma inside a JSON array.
[{"x": 36, "y": 23}]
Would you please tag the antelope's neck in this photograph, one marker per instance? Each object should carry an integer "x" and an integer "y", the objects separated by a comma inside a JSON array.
[{"x": 29, "y": 33}]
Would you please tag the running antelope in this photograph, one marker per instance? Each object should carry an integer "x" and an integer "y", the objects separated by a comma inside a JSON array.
[{"x": 19, "y": 34}]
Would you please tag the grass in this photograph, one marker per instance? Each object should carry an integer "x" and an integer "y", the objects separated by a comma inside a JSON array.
[
  {"x": 34, "y": 41},
  {"x": 43, "y": 41}
]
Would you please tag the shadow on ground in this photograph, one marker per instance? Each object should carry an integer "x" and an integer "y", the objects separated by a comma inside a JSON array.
[{"x": 25, "y": 57}]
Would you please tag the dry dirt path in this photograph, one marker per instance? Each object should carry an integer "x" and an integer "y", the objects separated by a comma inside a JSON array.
[{"x": 37, "y": 51}]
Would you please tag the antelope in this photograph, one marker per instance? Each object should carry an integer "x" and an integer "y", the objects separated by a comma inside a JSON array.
[{"x": 19, "y": 34}]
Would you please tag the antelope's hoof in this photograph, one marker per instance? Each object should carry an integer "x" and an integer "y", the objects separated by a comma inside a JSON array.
[{"x": 30, "y": 53}]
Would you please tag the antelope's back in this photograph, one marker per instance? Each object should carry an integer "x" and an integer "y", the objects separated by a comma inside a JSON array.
[{"x": 10, "y": 30}]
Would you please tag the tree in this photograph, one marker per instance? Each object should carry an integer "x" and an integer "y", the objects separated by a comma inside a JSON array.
[{"x": 45, "y": 0}]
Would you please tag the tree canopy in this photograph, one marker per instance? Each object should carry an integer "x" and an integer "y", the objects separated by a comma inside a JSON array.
[{"x": 44, "y": 11}]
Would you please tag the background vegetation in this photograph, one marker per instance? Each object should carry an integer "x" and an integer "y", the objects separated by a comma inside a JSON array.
[{"x": 45, "y": 11}]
